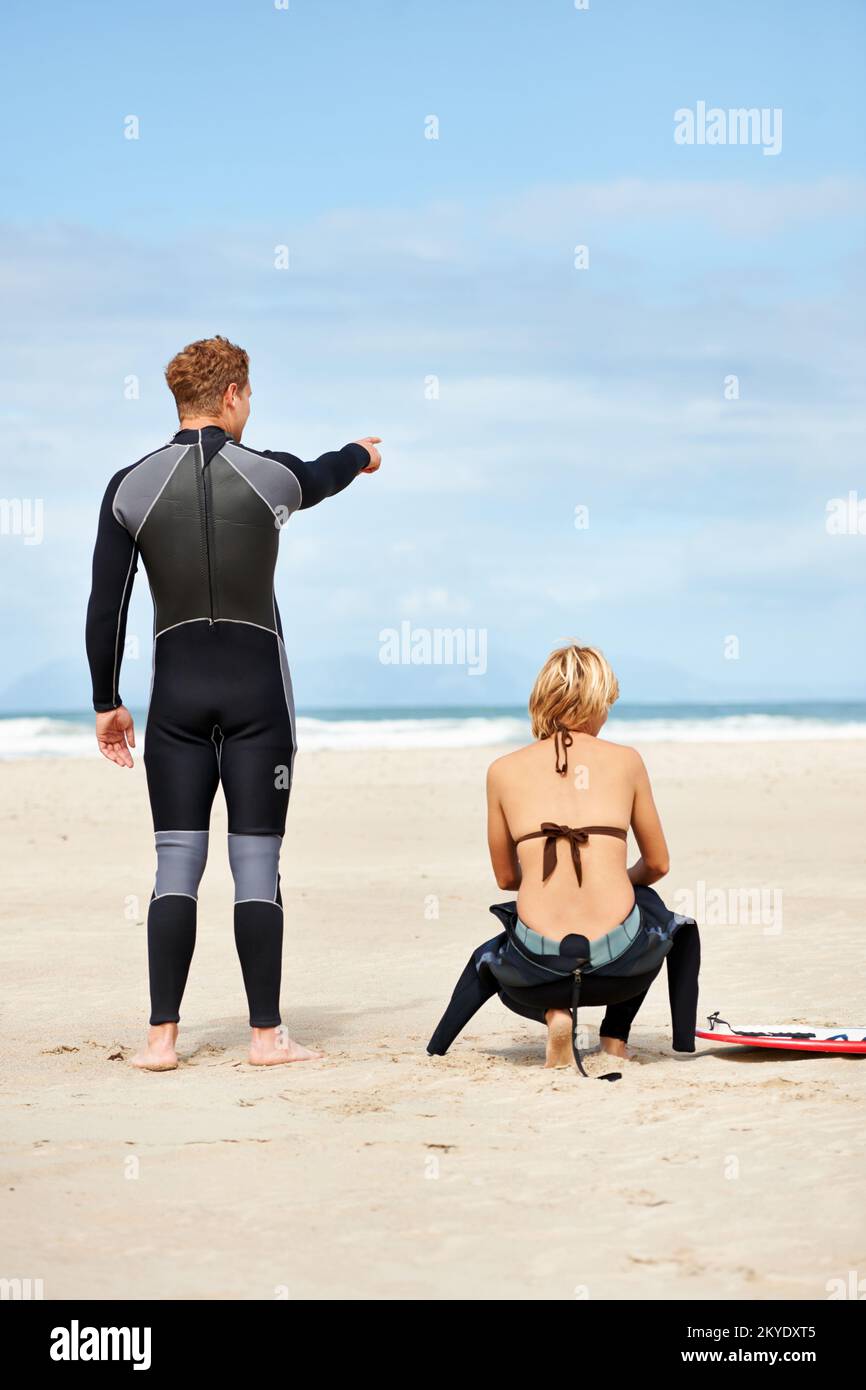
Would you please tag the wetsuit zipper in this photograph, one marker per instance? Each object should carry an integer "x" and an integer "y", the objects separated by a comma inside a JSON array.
[{"x": 206, "y": 531}]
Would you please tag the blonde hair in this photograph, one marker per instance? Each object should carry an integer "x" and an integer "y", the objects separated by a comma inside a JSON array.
[
  {"x": 574, "y": 687},
  {"x": 199, "y": 375}
]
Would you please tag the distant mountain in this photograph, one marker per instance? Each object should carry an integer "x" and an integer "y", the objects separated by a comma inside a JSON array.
[
  {"x": 359, "y": 679},
  {"x": 64, "y": 684}
]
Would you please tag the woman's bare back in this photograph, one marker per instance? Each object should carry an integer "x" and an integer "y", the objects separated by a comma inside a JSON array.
[{"x": 603, "y": 786}]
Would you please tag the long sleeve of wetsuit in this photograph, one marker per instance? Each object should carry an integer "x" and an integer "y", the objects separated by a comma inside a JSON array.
[
  {"x": 325, "y": 476},
  {"x": 115, "y": 560},
  {"x": 476, "y": 985},
  {"x": 684, "y": 963}
]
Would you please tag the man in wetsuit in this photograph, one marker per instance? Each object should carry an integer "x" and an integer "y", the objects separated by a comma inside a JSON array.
[{"x": 204, "y": 512}]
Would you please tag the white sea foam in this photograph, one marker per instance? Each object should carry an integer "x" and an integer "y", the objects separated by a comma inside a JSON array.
[
  {"x": 46, "y": 737},
  {"x": 733, "y": 728},
  {"x": 53, "y": 736},
  {"x": 471, "y": 732}
]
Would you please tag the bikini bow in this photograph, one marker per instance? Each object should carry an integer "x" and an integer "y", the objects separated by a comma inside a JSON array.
[{"x": 576, "y": 838}]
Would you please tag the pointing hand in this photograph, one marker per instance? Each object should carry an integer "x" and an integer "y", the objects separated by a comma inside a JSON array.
[{"x": 375, "y": 457}]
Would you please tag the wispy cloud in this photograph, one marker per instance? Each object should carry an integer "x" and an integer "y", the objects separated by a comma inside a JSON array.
[
  {"x": 510, "y": 389},
  {"x": 733, "y": 206}
]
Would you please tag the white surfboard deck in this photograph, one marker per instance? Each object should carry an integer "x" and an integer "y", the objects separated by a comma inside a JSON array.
[{"x": 797, "y": 1037}]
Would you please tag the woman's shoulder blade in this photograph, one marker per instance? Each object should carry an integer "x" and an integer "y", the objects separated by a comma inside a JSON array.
[{"x": 508, "y": 760}]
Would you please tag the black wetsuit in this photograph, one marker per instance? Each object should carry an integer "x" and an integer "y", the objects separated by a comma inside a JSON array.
[
  {"x": 501, "y": 966},
  {"x": 204, "y": 513}
]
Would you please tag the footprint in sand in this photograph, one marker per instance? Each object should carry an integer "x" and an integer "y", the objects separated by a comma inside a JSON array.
[{"x": 203, "y": 1052}]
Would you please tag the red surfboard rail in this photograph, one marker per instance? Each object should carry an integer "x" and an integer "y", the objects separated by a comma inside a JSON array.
[
  {"x": 791, "y": 1037},
  {"x": 815, "y": 1045}
]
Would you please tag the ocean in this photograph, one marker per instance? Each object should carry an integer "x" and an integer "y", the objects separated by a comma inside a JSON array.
[{"x": 59, "y": 734}]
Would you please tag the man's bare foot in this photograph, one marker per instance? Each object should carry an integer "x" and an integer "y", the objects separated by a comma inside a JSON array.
[
  {"x": 271, "y": 1046},
  {"x": 615, "y": 1047},
  {"x": 559, "y": 1053},
  {"x": 159, "y": 1053}
]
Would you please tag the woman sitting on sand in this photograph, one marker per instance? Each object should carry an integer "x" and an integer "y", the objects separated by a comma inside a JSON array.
[{"x": 586, "y": 928}]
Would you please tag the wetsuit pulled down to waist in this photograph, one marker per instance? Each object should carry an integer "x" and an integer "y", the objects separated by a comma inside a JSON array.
[
  {"x": 532, "y": 974},
  {"x": 600, "y": 950}
]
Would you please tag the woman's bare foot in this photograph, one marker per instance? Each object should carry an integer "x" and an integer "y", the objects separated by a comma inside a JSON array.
[
  {"x": 271, "y": 1046},
  {"x": 159, "y": 1053},
  {"x": 559, "y": 1053},
  {"x": 615, "y": 1047}
]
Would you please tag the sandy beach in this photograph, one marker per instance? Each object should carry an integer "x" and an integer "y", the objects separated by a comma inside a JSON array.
[{"x": 382, "y": 1173}]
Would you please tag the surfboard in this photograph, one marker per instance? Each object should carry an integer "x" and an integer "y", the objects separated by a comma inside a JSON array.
[{"x": 797, "y": 1037}]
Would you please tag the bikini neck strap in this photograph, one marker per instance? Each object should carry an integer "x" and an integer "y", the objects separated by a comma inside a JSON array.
[{"x": 562, "y": 741}]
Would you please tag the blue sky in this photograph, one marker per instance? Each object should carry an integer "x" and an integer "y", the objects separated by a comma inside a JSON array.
[{"x": 412, "y": 258}]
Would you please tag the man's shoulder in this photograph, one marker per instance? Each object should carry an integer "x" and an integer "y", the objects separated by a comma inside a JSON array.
[
  {"x": 133, "y": 489},
  {"x": 268, "y": 474},
  {"x": 156, "y": 453},
  {"x": 281, "y": 456}
]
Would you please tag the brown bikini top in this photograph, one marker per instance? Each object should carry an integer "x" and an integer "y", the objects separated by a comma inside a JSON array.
[{"x": 551, "y": 832}]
